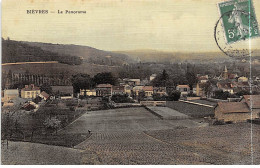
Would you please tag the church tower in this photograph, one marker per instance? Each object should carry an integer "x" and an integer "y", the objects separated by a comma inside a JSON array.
[{"x": 225, "y": 73}]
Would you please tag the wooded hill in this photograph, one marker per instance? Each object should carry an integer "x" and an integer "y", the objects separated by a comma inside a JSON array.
[
  {"x": 88, "y": 54},
  {"x": 15, "y": 51}
]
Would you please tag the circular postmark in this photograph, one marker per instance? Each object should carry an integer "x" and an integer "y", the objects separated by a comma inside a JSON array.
[{"x": 232, "y": 40}]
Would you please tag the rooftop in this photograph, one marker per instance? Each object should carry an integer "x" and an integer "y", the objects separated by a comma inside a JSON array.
[
  {"x": 253, "y": 100},
  {"x": 233, "y": 107},
  {"x": 104, "y": 86},
  {"x": 30, "y": 87}
]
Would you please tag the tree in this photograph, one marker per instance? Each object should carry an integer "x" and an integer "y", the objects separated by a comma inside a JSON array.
[
  {"x": 242, "y": 93},
  {"x": 174, "y": 95},
  {"x": 206, "y": 87},
  {"x": 81, "y": 81},
  {"x": 141, "y": 95},
  {"x": 161, "y": 79},
  {"x": 7, "y": 125},
  {"x": 158, "y": 97},
  {"x": 191, "y": 78},
  {"x": 46, "y": 88},
  {"x": 121, "y": 98},
  {"x": 52, "y": 123},
  {"x": 105, "y": 78},
  {"x": 219, "y": 94}
]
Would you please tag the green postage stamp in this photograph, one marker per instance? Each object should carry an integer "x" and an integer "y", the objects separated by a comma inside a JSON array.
[{"x": 238, "y": 20}]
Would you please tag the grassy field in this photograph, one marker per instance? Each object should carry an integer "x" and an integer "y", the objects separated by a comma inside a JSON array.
[{"x": 136, "y": 136}]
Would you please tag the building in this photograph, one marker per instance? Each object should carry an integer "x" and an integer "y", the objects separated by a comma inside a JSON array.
[
  {"x": 198, "y": 89},
  {"x": 128, "y": 89},
  {"x": 226, "y": 87},
  {"x": 234, "y": 112},
  {"x": 118, "y": 90},
  {"x": 225, "y": 73},
  {"x": 203, "y": 79},
  {"x": 88, "y": 92},
  {"x": 44, "y": 95},
  {"x": 63, "y": 92},
  {"x": 104, "y": 90},
  {"x": 160, "y": 90},
  {"x": 30, "y": 91},
  {"x": 137, "y": 89},
  {"x": 184, "y": 89},
  {"x": 242, "y": 79},
  {"x": 152, "y": 77},
  {"x": 132, "y": 82},
  {"x": 10, "y": 94},
  {"x": 252, "y": 101},
  {"x": 148, "y": 90}
]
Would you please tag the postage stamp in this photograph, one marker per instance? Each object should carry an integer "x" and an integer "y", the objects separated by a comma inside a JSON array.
[{"x": 238, "y": 20}]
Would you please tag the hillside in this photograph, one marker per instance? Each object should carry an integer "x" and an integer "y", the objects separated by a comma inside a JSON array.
[
  {"x": 163, "y": 56},
  {"x": 88, "y": 54},
  {"x": 14, "y": 51}
]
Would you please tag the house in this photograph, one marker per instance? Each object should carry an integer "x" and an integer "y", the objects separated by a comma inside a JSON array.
[
  {"x": 184, "y": 89},
  {"x": 104, "y": 90},
  {"x": 160, "y": 90},
  {"x": 152, "y": 77},
  {"x": 64, "y": 92},
  {"x": 242, "y": 79},
  {"x": 10, "y": 94},
  {"x": 226, "y": 87},
  {"x": 30, "y": 91},
  {"x": 203, "y": 79},
  {"x": 252, "y": 101},
  {"x": 118, "y": 90},
  {"x": 88, "y": 92},
  {"x": 128, "y": 89},
  {"x": 44, "y": 95},
  {"x": 148, "y": 90},
  {"x": 234, "y": 112},
  {"x": 29, "y": 106},
  {"x": 137, "y": 89},
  {"x": 132, "y": 82}
]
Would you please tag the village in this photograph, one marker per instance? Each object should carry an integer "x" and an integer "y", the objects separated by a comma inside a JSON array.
[{"x": 226, "y": 91}]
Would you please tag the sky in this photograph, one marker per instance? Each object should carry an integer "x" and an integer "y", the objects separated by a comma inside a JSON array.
[{"x": 116, "y": 25}]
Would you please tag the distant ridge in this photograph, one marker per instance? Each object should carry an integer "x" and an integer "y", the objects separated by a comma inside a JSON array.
[{"x": 88, "y": 54}]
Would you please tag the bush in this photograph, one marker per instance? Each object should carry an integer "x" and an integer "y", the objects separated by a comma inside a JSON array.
[
  {"x": 174, "y": 95},
  {"x": 121, "y": 99}
]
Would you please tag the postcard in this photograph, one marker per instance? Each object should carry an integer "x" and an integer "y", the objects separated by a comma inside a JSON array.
[{"x": 130, "y": 82}]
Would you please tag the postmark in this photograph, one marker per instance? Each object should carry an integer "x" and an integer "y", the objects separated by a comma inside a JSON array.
[{"x": 235, "y": 26}]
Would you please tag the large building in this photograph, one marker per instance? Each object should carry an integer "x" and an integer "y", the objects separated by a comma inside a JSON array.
[
  {"x": 184, "y": 89},
  {"x": 104, "y": 90},
  {"x": 10, "y": 94},
  {"x": 148, "y": 90},
  {"x": 248, "y": 108},
  {"x": 118, "y": 90},
  {"x": 88, "y": 92},
  {"x": 30, "y": 91}
]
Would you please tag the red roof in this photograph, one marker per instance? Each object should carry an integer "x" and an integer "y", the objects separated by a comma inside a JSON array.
[
  {"x": 45, "y": 95},
  {"x": 253, "y": 100},
  {"x": 104, "y": 86},
  {"x": 233, "y": 107},
  {"x": 147, "y": 88},
  {"x": 30, "y": 87},
  {"x": 183, "y": 86}
]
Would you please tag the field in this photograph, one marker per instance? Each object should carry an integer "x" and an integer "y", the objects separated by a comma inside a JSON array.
[
  {"x": 136, "y": 136},
  {"x": 50, "y": 68}
]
